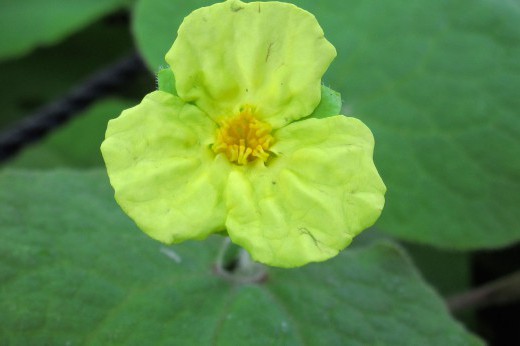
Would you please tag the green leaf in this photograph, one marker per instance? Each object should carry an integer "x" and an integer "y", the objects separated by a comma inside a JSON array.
[
  {"x": 75, "y": 270},
  {"x": 437, "y": 82},
  {"x": 166, "y": 81},
  {"x": 330, "y": 104},
  {"x": 77, "y": 143},
  {"x": 154, "y": 37},
  {"x": 25, "y": 25},
  {"x": 432, "y": 263}
]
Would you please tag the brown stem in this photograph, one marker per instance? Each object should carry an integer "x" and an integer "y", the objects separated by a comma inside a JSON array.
[
  {"x": 502, "y": 291},
  {"x": 57, "y": 113}
]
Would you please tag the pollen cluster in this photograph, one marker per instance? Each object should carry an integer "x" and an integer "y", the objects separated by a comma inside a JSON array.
[{"x": 243, "y": 138}]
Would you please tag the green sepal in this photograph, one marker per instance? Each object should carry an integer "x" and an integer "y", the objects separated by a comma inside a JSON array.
[
  {"x": 166, "y": 81},
  {"x": 329, "y": 105}
]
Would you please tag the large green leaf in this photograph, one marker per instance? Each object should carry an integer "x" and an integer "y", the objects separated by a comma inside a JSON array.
[
  {"x": 25, "y": 25},
  {"x": 75, "y": 270},
  {"x": 77, "y": 143},
  {"x": 437, "y": 82}
]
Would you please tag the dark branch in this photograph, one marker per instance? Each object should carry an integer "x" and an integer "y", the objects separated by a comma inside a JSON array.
[
  {"x": 502, "y": 291},
  {"x": 53, "y": 115}
]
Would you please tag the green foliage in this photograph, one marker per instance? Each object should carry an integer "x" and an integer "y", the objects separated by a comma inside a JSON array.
[
  {"x": 155, "y": 26},
  {"x": 75, "y": 270},
  {"x": 27, "y": 24},
  {"x": 439, "y": 90},
  {"x": 77, "y": 143},
  {"x": 433, "y": 264}
]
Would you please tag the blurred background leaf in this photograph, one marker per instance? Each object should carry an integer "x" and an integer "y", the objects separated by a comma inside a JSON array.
[
  {"x": 437, "y": 82},
  {"x": 25, "y": 25},
  {"x": 154, "y": 37},
  {"x": 369, "y": 295},
  {"x": 77, "y": 144}
]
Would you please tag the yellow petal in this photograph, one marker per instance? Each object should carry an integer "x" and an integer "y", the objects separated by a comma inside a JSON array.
[
  {"x": 270, "y": 55},
  {"x": 320, "y": 191},
  {"x": 165, "y": 176}
]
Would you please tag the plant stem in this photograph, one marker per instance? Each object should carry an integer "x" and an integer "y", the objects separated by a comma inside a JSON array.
[
  {"x": 502, "y": 291},
  {"x": 244, "y": 269},
  {"x": 57, "y": 113}
]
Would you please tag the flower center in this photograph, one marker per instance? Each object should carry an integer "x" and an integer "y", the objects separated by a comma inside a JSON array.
[{"x": 243, "y": 138}]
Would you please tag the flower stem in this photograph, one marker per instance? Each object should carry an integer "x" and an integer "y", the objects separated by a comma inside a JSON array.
[
  {"x": 501, "y": 291},
  {"x": 236, "y": 265}
]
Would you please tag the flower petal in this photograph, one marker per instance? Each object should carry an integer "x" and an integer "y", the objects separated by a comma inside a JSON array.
[
  {"x": 271, "y": 55},
  {"x": 308, "y": 203},
  {"x": 165, "y": 176}
]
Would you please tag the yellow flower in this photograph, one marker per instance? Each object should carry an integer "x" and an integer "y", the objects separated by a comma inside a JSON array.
[{"x": 233, "y": 152}]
